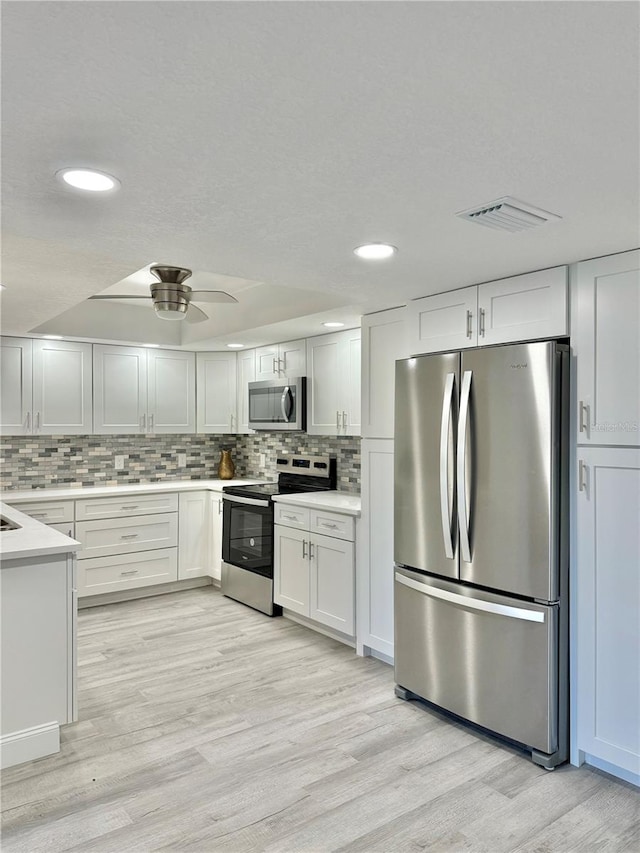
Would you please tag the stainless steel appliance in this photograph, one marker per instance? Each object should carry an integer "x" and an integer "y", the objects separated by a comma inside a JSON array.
[
  {"x": 278, "y": 404},
  {"x": 480, "y": 538},
  {"x": 247, "y": 527}
]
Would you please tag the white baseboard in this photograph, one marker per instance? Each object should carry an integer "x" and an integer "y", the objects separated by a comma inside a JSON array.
[
  {"x": 320, "y": 629},
  {"x": 142, "y": 592},
  {"x": 18, "y": 747}
]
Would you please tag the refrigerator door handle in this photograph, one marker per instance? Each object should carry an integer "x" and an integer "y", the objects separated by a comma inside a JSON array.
[
  {"x": 472, "y": 603},
  {"x": 444, "y": 465},
  {"x": 463, "y": 520}
]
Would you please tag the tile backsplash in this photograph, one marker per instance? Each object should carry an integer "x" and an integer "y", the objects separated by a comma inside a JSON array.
[{"x": 37, "y": 462}]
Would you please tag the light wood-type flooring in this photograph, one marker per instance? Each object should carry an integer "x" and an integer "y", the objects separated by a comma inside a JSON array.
[{"x": 205, "y": 726}]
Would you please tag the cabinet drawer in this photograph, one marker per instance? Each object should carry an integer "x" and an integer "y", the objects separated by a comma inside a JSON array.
[
  {"x": 49, "y": 512},
  {"x": 104, "y": 537},
  {"x": 110, "y": 574},
  {"x": 333, "y": 524},
  {"x": 292, "y": 516},
  {"x": 121, "y": 507}
]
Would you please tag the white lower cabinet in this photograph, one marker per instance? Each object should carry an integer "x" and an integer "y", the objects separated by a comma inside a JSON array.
[
  {"x": 607, "y": 582},
  {"x": 314, "y": 574},
  {"x": 215, "y": 532},
  {"x": 194, "y": 549},
  {"x": 127, "y": 571}
]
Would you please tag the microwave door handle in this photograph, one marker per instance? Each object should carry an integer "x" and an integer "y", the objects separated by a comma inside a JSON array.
[
  {"x": 445, "y": 515},
  {"x": 286, "y": 412},
  {"x": 463, "y": 519}
]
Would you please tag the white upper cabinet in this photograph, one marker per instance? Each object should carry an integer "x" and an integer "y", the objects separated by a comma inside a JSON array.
[
  {"x": 279, "y": 361},
  {"x": 605, "y": 335},
  {"x": 143, "y": 391},
  {"x": 384, "y": 339},
  {"x": 246, "y": 373},
  {"x": 522, "y": 308},
  {"x": 446, "y": 321},
  {"x": 333, "y": 389},
  {"x": 16, "y": 386},
  {"x": 525, "y": 307},
  {"x": 217, "y": 392},
  {"x": 46, "y": 387}
]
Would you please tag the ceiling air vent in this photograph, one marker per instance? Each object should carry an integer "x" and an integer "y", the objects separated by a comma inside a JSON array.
[{"x": 508, "y": 214}]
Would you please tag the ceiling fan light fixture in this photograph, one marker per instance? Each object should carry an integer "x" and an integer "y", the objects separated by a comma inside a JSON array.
[
  {"x": 90, "y": 180},
  {"x": 235, "y": 346},
  {"x": 171, "y": 311}
]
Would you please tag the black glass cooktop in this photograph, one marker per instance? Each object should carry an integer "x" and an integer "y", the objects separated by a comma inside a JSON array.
[{"x": 258, "y": 490}]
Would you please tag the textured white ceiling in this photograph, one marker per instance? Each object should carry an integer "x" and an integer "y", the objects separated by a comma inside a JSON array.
[{"x": 265, "y": 140}]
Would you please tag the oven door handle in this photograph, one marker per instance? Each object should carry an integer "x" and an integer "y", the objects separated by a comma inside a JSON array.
[{"x": 251, "y": 501}]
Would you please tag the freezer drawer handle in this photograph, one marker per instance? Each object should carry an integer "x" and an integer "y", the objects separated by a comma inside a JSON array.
[
  {"x": 463, "y": 521},
  {"x": 444, "y": 465},
  {"x": 472, "y": 603}
]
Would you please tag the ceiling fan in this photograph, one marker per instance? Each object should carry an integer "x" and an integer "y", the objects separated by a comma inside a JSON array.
[{"x": 172, "y": 298}]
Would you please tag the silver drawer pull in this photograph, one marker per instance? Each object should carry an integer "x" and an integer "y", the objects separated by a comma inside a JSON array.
[
  {"x": 289, "y": 517},
  {"x": 326, "y": 524},
  {"x": 130, "y": 506},
  {"x": 38, "y": 515},
  {"x": 130, "y": 572},
  {"x": 129, "y": 535}
]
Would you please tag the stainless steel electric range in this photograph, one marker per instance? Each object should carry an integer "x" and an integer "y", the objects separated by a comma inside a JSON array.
[{"x": 247, "y": 527}]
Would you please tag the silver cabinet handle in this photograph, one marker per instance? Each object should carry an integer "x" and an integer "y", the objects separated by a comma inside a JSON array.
[
  {"x": 471, "y": 603},
  {"x": 344, "y": 421},
  {"x": 38, "y": 515},
  {"x": 338, "y": 420},
  {"x": 130, "y": 572},
  {"x": 275, "y": 365},
  {"x": 445, "y": 513},
  {"x": 143, "y": 423},
  {"x": 330, "y": 526},
  {"x": 463, "y": 521},
  {"x": 231, "y": 420},
  {"x": 584, "y": 417},
  {"x": 130, "y": 506},
  {"x": 582, "y": 476},
  {"x": 37, "y": 420},
  {"x": 27, "y": 426},
  {"x": 311, "y": 554},
  {"x": 150, "y": 423},
  {"x": 469, "y": 317},
  {"x": 129, "y": 535},
  {"x": 289, "y": 517},
  {"x": 481, "y": 325},
  {"x": 219, "y": 506},
  {"x": 304, "y": 549}
]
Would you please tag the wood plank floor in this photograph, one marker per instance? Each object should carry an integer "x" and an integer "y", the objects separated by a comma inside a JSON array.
[{"x": 205, "y": 726}]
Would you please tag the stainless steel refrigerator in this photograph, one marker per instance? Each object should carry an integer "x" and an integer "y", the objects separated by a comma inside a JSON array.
[{"x": 480, "y": 539}]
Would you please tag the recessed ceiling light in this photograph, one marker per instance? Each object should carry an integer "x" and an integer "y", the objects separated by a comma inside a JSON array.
[
  {"x": 89, "y": 179},
  {"x": 333, "y": 325},
  {"x": 375, "y": 251},
  {"x": 235, "y": 346},
  {"x": 53, "y": 337}
]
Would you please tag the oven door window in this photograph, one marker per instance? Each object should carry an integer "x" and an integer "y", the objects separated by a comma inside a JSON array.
[{"x": 248, "y": 537}]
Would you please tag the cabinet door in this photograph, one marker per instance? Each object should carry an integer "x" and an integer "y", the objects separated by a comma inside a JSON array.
[
  {"x": 446, "y": 321},
  {"x": 332, "y": 579},
  {"x": 267, "y": 362},
  {"x": 15, "y": 387},
  {"x": 293, "y": 358},
  {"x": 325, "y": 385},
  {"x": 384, "y": 339},
  {"x": 608, "y": 591},
  {"x": 351, "y": 363},
  {"x": 375, "y": 550},
  {"x": 119, "y": 389},
  {"x": 171, "y": 404},
  {"x": 291, "y": 569},
  {"x": 215, "y": 516},
  {"x": 62, "y": 387},
  {"x": 217, "y": 391},
  {"x": 246, "y": 373},
  {"x": 525, "y": 307},
  {"x": 606, "y": 338},
  {"x": 193, "y": 535}
]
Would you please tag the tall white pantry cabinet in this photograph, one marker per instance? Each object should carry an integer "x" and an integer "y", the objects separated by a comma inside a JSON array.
[{"x": 606, "y": 513}]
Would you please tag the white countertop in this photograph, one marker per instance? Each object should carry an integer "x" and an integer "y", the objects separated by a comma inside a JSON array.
[
  {"x": 344, "y": 502},
  {"x": 62, "y": 493},
  {"x": 32, "y": 539}
]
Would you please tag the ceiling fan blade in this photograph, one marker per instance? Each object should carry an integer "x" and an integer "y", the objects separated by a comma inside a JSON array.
[
  {"x": 212, "y": 296},
  {"x": 195, "y": 315},
  {"x": 120, "y": 296}
]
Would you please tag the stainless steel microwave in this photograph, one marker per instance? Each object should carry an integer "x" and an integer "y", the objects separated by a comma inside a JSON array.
[{"x": 278, "y": 404}]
